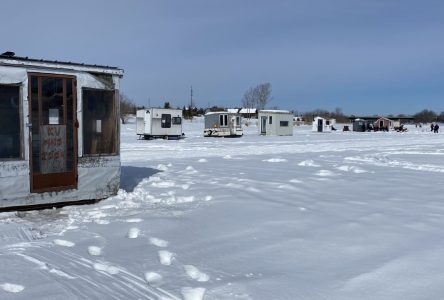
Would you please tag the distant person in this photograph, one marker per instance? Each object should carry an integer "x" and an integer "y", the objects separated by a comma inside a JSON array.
[
  {"x": 432, "y": 127},
  {"x": 436, "y": 128}
]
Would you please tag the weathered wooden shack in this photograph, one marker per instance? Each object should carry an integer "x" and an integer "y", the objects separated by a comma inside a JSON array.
[{"x": 59, "y": 132}]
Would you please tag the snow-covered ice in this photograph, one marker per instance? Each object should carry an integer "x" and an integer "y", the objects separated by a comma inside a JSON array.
[{"x": 338, "y": 216}]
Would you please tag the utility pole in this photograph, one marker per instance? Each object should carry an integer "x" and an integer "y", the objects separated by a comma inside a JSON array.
[{"x": 191, "y": 99}]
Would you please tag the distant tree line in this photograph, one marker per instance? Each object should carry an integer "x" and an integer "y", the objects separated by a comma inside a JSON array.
[
  {"x": 336, "y": 114},
  {"x": 428, "y": 116}
]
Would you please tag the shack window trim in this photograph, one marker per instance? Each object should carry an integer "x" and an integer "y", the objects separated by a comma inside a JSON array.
[
  {"x": 165, "y": 121},
  {"x": 177, "y": 121},
  {"x": 15, "y": 135},
  {"x": 103, "y": 142},
  {"x": 284, "y": 123}
]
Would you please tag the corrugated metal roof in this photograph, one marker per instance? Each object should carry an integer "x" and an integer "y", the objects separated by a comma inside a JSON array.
[{"x": 66, "y": 63}]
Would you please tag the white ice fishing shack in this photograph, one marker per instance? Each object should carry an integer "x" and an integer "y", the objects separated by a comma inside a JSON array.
[
  {"x": 275, "y": 122},
  {"x": 59, "y": 132},
  {"x": 223, "y": 124},
  {"x": 323, "y": 125},
  {"x": 159, "y": 123}
]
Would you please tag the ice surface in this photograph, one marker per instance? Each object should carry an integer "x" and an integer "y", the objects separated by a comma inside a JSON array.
[{"x": 343, "y": 216}]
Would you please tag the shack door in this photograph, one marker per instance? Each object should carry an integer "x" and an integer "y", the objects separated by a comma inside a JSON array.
[
  {"x": 320, "y": 125},
  {"x": 53, "y": 141},
  {"x": 263, "y": 125}
]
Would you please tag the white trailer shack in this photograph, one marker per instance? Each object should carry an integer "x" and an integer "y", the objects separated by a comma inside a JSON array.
[
  {"x": 275, "y": 122},
  {"x": 223, "y": 124},
  {"x": 59, "y": 132},
  {"x": 159, "y": 123}
]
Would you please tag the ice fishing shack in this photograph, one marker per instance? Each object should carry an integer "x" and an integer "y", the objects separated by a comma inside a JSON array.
[
  {"x": 323, "y": 125},
  {"x": 222, "y": 124},
  {"x": 159, "y": 123},
  {"x": 275, "y": 122},
  {"x": 59, "y": 132}
]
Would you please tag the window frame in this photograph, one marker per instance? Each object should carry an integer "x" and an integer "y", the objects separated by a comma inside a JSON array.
[
  {"x": 173, "y": 122},
  {"x": 284, "y": 122},
  {"x": 115, "y": 111},
  {"x": 270, "y": 120},
  {"x": 21, "y": 155},
  {"x": 165, "y": 117}
]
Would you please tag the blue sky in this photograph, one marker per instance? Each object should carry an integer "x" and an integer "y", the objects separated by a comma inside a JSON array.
[{"x": 364, "y": 56}]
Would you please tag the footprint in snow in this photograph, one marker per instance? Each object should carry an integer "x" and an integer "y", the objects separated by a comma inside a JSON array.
[
  {"x": 165, "y": 257},
  {"x": 324, "y": 173},
  {"x": 94, "y": 250},
  {"x": 134, "y": 220},
  {"x": 106, "y": 268},
  {"x": 158, "y": 242},
  {"x": 308, "y": 163},
  {"x": 196, "y": 274},
  {"x": 64, "y": 243},
  {"x": 11, "y": 287},
  {"x": 275, "y": 160},
  {"x": 153, "y": 278},
  {"x": 133, "y": 233},
  {"x": 189, "y": 293}
]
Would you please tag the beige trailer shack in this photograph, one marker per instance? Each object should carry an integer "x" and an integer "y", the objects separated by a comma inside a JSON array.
[{"x": 275, "y": 122}]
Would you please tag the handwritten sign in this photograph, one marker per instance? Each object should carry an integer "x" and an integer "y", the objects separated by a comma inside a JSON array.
[{"x": 52, "y": 149}]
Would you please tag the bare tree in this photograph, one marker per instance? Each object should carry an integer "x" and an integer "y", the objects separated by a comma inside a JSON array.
[
  {"x": 263, "y": 95},
  {"x": 248, "y": 100},
  {"x": 127, "y": 107},
  {"x": 258, "y": 96}
]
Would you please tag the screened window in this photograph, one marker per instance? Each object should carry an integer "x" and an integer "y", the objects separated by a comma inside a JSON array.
[
  {"x": 284, "y": 123},
  {"x": 270, "y": 120},
  {"x": 165, "y": 121},
  {"x": 99, "y": 122},
  {"x": 223, "y": 120},
  {"x": 177, "y": 120},
  {"x": 9, "y": 122},
  {"x": 238, "y": 122}
]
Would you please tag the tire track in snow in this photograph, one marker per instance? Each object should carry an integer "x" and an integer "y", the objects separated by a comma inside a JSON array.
[{"x": 75, "y": 268}]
